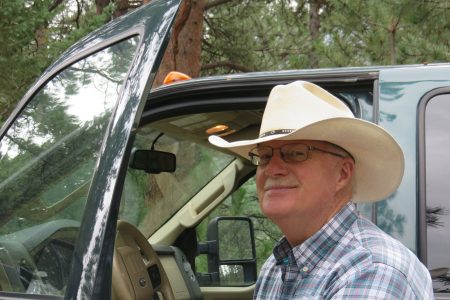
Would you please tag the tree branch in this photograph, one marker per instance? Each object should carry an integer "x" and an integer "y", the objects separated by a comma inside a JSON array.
[
  {"x": 78, "y": 15},
  {"x": 54, "y": 4},
  {"x": 95, "y": 72},
  {"x": 214, "y": 3},
  {"x": 226, "y": 64}
]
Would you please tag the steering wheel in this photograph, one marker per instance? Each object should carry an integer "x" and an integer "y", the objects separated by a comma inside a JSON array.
[{"x": 137, "y": 270}]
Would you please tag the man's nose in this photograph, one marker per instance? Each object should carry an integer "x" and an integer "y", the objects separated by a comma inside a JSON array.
[{"x": 276, "y": 165}]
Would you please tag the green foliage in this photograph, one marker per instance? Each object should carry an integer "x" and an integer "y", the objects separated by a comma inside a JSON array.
[
  {"x": 386, "y": 32},
  {"x": 32, "y": 35},
  {"x": 255, "y": 36},
  {"x": 273, "y": 35},
  {"x": 19, "y": 22},
  {"x": 70, "y": 28}
]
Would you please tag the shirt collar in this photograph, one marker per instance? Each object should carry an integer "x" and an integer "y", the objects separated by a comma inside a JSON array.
[{"x": 316, "y": 247}]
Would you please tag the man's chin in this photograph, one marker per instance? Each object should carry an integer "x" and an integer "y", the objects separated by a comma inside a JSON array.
[{"x": 275, "y": 212}]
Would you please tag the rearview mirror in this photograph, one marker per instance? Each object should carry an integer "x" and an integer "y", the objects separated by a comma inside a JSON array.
[{"x": 152, "y": 161}]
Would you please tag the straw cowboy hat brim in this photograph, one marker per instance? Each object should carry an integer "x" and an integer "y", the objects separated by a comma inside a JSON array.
[{"x": 379, "y": 161}]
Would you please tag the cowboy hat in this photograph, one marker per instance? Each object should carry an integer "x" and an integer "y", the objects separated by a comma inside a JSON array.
[{"x": 304, "y": 111}]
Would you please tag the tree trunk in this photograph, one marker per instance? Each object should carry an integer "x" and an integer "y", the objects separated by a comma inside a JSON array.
[
  {"x": 392, "y": 30},
  {"x": 121, "y": 8},
  {"x": 184, "y": 49},
  {"x": 314, "y": 27},
  {"x": 100, "y": 5}
]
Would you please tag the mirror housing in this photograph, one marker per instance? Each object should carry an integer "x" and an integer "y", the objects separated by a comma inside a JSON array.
[
  {"x": 231, "y": 252},
  {"x": 152, "y": 161}
]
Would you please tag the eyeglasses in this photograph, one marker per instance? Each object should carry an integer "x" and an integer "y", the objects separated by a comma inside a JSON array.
[{"x": 290, "y": 153}]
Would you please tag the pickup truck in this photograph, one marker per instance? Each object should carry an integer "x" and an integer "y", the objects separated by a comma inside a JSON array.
[{"x": 109, "y": 188}]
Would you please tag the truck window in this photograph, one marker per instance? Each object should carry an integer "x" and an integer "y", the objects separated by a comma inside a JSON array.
[
  {"x": 47, "y": 158},
  {"x": 437, "y": 190}
]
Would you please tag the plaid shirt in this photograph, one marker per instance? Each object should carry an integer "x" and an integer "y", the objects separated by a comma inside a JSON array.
[{"x": 348, "y": 258}]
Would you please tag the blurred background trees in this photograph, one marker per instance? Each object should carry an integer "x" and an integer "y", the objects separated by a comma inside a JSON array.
[{"x": 231, "y": 36}]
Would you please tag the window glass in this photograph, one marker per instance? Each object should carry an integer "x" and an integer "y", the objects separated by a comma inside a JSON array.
[
  {"x": 149, "y": 200},
  {"x": 437, "y": 143},
  {"x": 47, "y": 158}
]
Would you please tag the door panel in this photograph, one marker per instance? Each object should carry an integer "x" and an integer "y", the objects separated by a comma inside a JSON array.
[{"x": 62, "y": 155}]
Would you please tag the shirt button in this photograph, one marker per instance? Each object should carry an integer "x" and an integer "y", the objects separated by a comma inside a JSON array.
[{"x": 305, "y": 269}]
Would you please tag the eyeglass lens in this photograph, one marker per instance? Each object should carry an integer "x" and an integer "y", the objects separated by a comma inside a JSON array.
[{"x": 261, "y": 155}]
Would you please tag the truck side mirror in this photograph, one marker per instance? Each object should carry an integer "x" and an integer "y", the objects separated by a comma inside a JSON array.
[{"x": 231, "y": 252}]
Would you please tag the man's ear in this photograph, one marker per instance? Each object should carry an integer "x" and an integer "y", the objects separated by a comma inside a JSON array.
[{"x": 346, "y": 173}]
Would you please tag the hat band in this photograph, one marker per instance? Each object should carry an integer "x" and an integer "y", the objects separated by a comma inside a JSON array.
[{"x": 278, "y": 131}]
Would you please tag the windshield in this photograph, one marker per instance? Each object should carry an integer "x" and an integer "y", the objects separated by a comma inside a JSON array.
[{"x": 149, "y": 200}]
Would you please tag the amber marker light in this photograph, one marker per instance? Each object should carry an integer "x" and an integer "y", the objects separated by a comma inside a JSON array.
[
  {"x": 216, "y": 129},
  {"x": 175, "y": 76}
]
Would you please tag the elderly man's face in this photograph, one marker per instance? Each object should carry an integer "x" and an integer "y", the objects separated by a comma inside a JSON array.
[{"x": 306, "y": 189}]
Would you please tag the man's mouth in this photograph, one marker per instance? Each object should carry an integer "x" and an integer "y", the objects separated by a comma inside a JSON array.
[{"x": 279, "y": 186}]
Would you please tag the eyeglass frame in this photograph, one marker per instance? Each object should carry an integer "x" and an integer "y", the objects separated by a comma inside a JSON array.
[{"x": 308, "y": 148}]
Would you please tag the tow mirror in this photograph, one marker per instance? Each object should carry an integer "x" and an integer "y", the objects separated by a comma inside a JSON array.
[
  {"x": 152, "y": 161},
  {"x": 231, "y": 252}
]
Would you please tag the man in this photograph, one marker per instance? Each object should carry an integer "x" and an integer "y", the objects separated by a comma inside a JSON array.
[{"x": 314, "y": 160}]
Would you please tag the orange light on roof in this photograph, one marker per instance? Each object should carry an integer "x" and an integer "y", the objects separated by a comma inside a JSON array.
[
  {"x": 216, "y": 129},
  {"x": 175, "y": 76}
]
